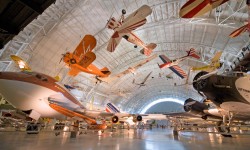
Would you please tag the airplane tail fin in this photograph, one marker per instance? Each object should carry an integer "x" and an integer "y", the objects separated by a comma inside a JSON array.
[
  {"x": 73, "y": 72},
  {"x": 149, "y": 48},
  {"x": 192, "y": 53},
  {"x": 111, "y": 108},
  {"x": 106, "y": 71}
]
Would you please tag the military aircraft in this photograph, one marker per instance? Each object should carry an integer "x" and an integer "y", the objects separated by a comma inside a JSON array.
[
  {"x": 214, "y": 64},
  {"x": 124, "y": 27},
  {"x": 143, "y": 82},
  {"x": 81, "y": 59},
  {"x": 40, "y": 95},
  {"x": 173, "y": 64}
]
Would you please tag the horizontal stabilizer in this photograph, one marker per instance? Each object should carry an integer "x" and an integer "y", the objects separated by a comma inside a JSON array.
[
  {"x": 73, "y": 72},
  {"x": 192, "y": 53},
  {"x": 105, "y": 70},
  {"x": 149, "y": 48},
  {"x": 239, "y": 31}
]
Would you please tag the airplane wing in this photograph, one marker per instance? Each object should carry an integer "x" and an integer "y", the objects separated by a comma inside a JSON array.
[
  {"x": 135, "y": 20},
  {"x": 113, "y": 42},
  {"x": 164, "y": 58},
  {"x": 238, "y": 31},
  {"x": 196, "y": 8},
  {"x": 87, "y": 44},
  {"x": 177, "y": 70},
  {"x": 216, "y": 57},
  {"x": 147, "y": 77},
  {"x": 21, "y": 63},
  {"x": 88, "y": 58}
]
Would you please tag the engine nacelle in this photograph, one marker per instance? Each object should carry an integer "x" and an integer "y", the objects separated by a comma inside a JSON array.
[
  {"x": 194, "y": 107},
  {"x": 115, "y": 119},
  {"x": 137, "y": 118}
]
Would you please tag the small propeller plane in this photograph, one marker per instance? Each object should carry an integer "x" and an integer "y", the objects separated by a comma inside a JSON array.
[
  {"x": 124, "y": 27},
  {"x": 173, "y": 64},
  {"x": 196, "y": 8},
  {"x": 144, "y": 81},
  {"x": 214, "y": 64},
  {"x": 81, "y": 59},
  {"x": 134, "y": 68}
]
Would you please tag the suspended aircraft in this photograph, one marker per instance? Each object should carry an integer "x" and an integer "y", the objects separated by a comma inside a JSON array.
[
  {"x": 173, "y": 64},
  {"x": 81, "y": 59},
  {"x": 144, "y": 81},
  {"x": 228, "y": 92},
  {"x": 214, "y": 64},
  {"x": 124, "y": 27},
  {"x": 134, "y": 68},
  {"x": 40, "y": 95},
  {"x": 196, "y": 8}
]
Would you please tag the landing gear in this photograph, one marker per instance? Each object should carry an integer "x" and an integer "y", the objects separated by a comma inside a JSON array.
[
  {"x": 223, "y": 129},
  {"x": 72, "y": 61},
  {"x": 123, "y": 11},
  {"x": 32, "y": 128},
  {"x": 58, "y": 128}
]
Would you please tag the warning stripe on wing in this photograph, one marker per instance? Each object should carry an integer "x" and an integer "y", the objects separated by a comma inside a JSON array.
[
  {"x": 133, "y": 26},
  {"x": 177, "y": 70}
]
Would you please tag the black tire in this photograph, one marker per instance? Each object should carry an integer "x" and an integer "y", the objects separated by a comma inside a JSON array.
[
  {"x": 139, "y": 118},
  {"x": 115, "y": 119},
  {"x": 123, "y": 11},
  {"x": 72, "y": 61},
  {"x": 135, "y": 46}
]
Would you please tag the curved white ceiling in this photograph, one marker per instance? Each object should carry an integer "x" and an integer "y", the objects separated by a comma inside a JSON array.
[{"x": 62, "y": 25}]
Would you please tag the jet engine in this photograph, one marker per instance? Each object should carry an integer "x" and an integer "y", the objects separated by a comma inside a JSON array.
[
  {"x": 137, "y": 118},
  {"x": 115, "y": 119},
  {"x": 195, "y": 107}
]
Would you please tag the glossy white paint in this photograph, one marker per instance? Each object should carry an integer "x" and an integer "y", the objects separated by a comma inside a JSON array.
[
  {"x": 29, "y": 96},
  {"x": 243, "y": 86}
]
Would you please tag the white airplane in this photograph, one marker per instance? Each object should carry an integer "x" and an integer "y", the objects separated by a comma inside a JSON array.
[
  {"x": 144, "y": 81},
  {"x": 124, "y": 27},
  {"x": 43, "y": 96}
]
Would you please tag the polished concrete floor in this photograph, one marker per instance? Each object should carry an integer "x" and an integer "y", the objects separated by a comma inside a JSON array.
[{"x": 156, "y": 139}]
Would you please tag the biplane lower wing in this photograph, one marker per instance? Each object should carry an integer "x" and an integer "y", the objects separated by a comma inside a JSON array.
[
  {"x": 113, "y": 42},
  {"x": 88, "y": 58},
  {"x": 196, "y": 8},
  {"x": 177, "y": 70}
]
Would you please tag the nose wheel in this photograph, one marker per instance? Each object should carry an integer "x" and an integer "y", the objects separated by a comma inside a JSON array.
[{"x": 123, "y": 11}]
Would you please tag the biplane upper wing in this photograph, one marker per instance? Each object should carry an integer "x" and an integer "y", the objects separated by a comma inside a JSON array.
[
  {"x": 87, "y": 44},
  {"x": 240, "y": 30},
  {"x": 21, "y": 63},
  {"x": 177, "y": 70},
  {"x": 135, "y": 20},
  {"x": 195, "y": 8}
]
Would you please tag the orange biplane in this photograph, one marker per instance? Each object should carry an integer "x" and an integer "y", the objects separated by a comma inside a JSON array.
[{"x": 81, "y": 59}]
